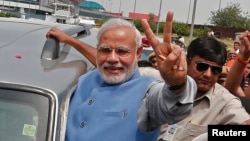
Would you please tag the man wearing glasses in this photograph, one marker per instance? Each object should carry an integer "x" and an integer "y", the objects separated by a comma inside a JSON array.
[
  {"x": 114, "y": 102},
  {"x": 213, "y": 104}
]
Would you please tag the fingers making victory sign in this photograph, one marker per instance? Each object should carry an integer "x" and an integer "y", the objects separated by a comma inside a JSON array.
[{"x": 170, "y": 57}]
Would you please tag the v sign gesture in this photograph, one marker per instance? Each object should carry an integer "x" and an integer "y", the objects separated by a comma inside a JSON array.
[{"x": 171, "y": 58}]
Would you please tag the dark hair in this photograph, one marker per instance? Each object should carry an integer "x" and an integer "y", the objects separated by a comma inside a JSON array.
[{"x": 208, "y": 48}]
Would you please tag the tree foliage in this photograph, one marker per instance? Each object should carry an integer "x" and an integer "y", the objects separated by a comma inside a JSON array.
[
  {"x": 6, "y": 14},
  {"x": 180, "y": 28},
  {"x": 231, "y": 17},
  {"x": 151, "y": 22}
]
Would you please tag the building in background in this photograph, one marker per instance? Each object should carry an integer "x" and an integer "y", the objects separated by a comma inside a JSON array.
[
  {"x": 134, "y": 15},
  {"x": 47, "y": 10}
]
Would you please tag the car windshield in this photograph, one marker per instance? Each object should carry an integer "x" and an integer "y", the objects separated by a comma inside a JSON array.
[{"x": 23, "y": 116}]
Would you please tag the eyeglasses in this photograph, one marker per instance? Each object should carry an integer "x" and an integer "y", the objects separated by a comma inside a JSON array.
[
  {"x": 216, "y": 70},
  {"x": 106, "y": 50}
]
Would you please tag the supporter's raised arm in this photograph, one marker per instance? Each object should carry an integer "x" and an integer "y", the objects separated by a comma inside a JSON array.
[{"x": 236, "y": 72}]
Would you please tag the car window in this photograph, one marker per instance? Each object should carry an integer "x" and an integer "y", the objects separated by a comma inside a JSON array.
[
  {"x": 23, "y": 116},
  {"x": 36, "y": 83}
]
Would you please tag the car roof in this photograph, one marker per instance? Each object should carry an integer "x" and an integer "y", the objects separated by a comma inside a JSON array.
[{"x": 21, "y": 50}]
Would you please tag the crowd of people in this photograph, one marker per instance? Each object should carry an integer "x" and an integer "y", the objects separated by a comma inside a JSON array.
[{"x": 124, "y": 102}]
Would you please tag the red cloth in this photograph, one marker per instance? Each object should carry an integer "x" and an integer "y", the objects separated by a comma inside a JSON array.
[{"x": 230, "y": 63}]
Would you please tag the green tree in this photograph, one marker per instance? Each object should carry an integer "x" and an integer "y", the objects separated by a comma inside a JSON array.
[
  {"x": 137, "y": 23},
  {"x": 151, "y": 22},
  {"x": 180, "y": 28},
  {"x": 6, "y": 14},
  {"x": 231, "y": 17}
]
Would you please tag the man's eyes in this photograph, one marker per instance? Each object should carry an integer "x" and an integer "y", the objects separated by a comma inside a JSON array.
[{"x": 122, "y": 51}]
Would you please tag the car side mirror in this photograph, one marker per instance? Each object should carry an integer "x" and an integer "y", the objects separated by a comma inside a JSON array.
[
  {"x": 50, "y": 52},
  {"x": 51, "y": 49}
]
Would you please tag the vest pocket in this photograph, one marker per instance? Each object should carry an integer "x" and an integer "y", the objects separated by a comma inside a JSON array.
[{"x": 121, "y": 114}]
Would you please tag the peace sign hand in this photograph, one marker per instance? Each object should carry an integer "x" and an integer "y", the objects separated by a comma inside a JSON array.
[{"x": 171, "y": 58}]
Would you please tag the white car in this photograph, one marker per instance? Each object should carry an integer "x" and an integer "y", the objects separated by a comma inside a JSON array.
[{"x": 37, "y": 78}]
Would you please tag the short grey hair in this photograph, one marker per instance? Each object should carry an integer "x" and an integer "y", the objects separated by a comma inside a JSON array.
[{"x": 118, "y": 22}]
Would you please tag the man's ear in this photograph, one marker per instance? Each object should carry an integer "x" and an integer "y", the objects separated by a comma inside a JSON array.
[{"x": 139, "y": 52}]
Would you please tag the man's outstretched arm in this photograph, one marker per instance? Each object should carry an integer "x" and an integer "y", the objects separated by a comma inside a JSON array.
[{"x": 88, "y": 51}]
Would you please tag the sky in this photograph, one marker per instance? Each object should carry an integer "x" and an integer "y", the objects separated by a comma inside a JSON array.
[{"x": 183, "y": 9}]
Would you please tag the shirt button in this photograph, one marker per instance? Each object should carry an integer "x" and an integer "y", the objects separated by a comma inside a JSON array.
[
  {"x": 82, "y": 124},
  {"x": 90, "y": 101}
]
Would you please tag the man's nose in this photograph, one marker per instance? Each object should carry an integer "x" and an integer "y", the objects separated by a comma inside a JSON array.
[
  {"x": 208, "y": 72},
  {"x": 113, "y": 56}
]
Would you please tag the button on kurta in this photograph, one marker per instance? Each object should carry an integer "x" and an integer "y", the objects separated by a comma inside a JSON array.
[
  {"x": 82, "y": 124},
  {"x": 90, "y": 101}
]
